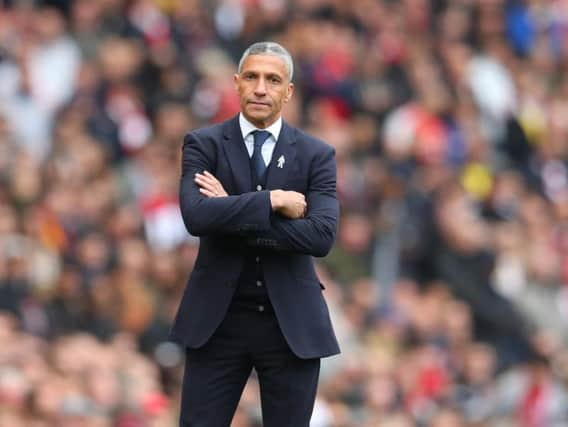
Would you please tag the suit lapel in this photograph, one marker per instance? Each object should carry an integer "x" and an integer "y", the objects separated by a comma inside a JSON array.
[
  {"x": 283, "y": 158},
  {"x": 237, "y": 155}
]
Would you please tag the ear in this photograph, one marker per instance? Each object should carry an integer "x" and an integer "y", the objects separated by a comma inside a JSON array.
[
  {"x": 289, "y": 92},
  {"x": 236, "y": 81}
]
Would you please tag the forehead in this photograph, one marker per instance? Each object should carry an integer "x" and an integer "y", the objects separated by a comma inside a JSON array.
[{"x": 265, "y": 63}]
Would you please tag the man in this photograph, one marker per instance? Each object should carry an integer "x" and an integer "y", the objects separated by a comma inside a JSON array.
[{"x": 261, "y": 196}]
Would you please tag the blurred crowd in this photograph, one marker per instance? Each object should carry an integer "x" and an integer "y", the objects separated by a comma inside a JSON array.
[{"x": 448, "y": 284}]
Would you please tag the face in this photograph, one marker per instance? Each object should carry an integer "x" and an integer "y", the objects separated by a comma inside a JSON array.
[{"x": 263, "y": 88}]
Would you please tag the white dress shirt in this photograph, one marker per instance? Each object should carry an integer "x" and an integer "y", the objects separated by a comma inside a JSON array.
[{"x": 247, "y": 128}]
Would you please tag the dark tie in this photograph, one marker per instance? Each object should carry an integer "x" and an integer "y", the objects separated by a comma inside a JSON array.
[{"x": 260, "y": 137}]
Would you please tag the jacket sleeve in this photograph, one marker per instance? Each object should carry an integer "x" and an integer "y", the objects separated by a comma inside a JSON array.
[
  {"x": 201, "y": 215},
  {"x": 315, "y": 233}
]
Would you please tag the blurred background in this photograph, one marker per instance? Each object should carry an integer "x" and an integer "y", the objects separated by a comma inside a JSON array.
[{"x": 448, "y": 284}]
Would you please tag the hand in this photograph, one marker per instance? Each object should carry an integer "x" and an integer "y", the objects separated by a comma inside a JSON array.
[
  {"x": 289, "y": 204},
  {"x": 209, "y": 185}
]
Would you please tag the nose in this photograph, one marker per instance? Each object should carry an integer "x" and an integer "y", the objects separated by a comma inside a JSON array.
[{"x": 260, "y": 88}]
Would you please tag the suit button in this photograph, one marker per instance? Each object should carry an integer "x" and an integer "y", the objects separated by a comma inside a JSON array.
[
  {"x": 258, "y": 283},
  {"x": 261, "y": 308},
  {"x": 257, "y": 259},
  {"x": 259, "y": 187}
]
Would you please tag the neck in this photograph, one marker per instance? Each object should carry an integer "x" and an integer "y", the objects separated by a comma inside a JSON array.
[{"x": 261, "y": 124}]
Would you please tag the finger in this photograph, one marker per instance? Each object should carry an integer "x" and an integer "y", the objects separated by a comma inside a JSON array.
[
  {"x": 210, "y": 176},
  {"x": 201, "y": 180},
  {"x": 204, "y": 180},
  {"x": 211, "y": 184},
  {"x": 207, "y": 186},
  {"x": 211, "y": 181},
  {"x": 206, "y": 175},
  {"x": 207, "y": 193}
]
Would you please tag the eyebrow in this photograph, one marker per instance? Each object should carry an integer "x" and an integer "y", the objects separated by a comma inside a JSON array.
[{"x": 256, "y": 73}]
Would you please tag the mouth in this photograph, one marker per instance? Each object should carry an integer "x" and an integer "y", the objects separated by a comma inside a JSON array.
[{"x": 259, "y": 104}]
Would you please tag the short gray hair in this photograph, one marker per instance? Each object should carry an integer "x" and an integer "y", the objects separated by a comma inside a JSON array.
[{"x": 269, "y": 48}]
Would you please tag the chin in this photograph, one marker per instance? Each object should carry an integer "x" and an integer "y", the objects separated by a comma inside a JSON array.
[
  {"x": 254, "y": 112},
  {"x": 257, "y": 117}
]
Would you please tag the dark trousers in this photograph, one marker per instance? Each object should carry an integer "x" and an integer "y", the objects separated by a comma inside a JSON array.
[{"x": 216, "y": 374}]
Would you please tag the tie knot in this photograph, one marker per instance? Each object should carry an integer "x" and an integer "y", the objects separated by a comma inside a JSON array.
[{"x": 260, "y": 136}]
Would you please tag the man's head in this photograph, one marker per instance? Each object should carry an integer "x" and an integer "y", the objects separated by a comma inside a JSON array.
[
  {"x": 263, "y": 82},
  {"x": 269, "y": 48}
]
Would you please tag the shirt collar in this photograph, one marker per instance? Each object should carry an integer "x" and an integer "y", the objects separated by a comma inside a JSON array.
[{"x": 247, "y": 127}]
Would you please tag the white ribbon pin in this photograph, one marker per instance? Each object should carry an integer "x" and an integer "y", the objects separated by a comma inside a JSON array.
[{"x": 281, "y": 161}]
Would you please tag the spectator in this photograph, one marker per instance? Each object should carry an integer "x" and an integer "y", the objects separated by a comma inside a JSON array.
[{"x": 448, "y": 281}]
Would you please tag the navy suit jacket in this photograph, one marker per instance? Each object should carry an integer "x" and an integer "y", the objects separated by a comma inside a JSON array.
[{"x": 244, "y": 219}]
